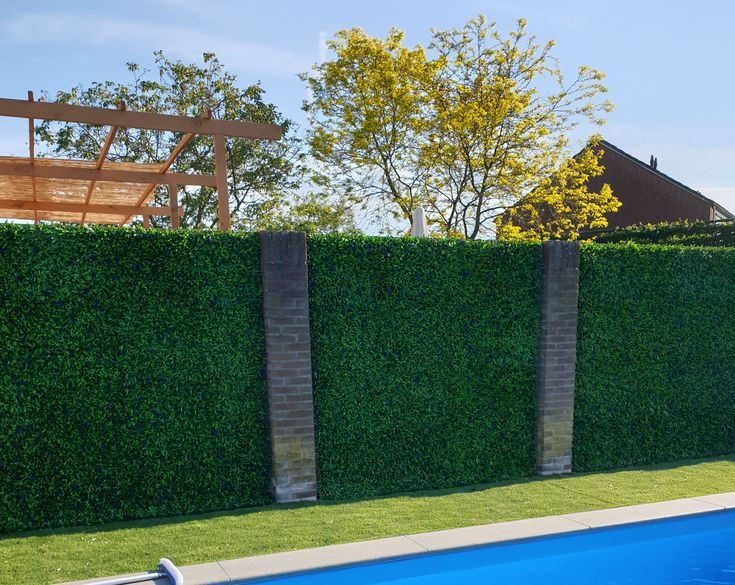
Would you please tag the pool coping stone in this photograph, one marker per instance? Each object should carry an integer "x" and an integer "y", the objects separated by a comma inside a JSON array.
[{"x": 256, "y": 568}]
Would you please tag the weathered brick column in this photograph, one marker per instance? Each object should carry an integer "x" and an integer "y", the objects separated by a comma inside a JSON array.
[
  {"x": 556, "y": 360},
  {"x": 288, "y": 352}
]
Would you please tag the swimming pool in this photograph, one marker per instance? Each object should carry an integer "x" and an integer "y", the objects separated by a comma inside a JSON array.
[{"x": 694, "y": 550}]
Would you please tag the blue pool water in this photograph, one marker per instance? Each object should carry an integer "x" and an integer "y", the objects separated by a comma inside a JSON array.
[{"x": 696, "y": 550}]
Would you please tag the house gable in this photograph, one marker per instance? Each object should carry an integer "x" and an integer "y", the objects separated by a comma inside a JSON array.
[{"x": 648, "y": 195}]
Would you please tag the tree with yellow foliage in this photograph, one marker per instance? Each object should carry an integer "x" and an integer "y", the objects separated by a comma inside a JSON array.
[
  {"x": 561, "y": 205},
  {"x": 467, "y": 129},
  {"x": 368, "y": 118}
]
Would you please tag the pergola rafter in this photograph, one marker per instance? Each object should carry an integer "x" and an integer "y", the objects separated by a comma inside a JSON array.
[
  {"x": 111, "y": 134},
  {"x": 164, "y": 168},
  {"x": 103, "y": 191}
]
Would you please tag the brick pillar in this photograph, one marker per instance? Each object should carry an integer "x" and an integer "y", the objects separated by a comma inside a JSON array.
[
  {"x": 288, "y": 353},
  {"x": 556, "y": 359}
]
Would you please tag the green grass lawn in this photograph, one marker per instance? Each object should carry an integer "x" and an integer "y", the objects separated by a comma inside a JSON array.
[{"x": 53, "y": 556}]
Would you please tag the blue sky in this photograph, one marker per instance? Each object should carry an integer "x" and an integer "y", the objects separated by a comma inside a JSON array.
[{"x": 669, "y": 65}]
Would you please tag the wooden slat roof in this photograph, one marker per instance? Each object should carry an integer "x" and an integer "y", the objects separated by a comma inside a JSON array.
[{"x": 69, "y": 191}]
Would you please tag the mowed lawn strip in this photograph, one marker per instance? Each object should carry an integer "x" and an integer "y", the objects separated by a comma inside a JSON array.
[{"x": 54, "y": 556}]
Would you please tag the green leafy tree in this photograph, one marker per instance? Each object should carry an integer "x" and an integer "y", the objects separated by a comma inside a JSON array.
[
  {"x": 467, "y": 131},
  {"x": 314, "y": 212},
  {"x": 268, "y": 181}
]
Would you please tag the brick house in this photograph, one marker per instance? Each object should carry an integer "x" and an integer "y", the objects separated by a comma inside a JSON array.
[{"x": 648, "y": 195}]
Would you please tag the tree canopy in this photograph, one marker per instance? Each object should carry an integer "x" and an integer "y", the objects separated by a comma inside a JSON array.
[
  {"x": 467, "y": 129},
  {"x": 475, "y": 128},
  {"x": 269, "y": 183}
]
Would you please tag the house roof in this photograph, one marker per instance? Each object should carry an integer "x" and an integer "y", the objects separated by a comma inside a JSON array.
[{"x": 721, "y": 210}]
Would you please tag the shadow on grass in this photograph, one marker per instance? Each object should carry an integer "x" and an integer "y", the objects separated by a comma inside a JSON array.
[{"x": 173, "y": 520}]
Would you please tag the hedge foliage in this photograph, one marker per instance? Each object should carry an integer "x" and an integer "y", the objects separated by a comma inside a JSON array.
[
  {"x": 131, "y": 375},
  {"x": 423, "y": 361},
  {"x": 655, "y": 367},
  {"x": 699, "y": 233}
]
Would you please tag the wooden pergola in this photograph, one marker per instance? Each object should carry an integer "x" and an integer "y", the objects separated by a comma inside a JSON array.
[{"x": 106, "y": 192}]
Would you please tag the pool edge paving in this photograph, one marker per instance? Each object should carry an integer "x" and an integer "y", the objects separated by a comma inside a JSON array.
[{"x": 339, "y": 555}]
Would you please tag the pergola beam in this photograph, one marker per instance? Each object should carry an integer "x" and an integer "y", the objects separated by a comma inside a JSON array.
[
  {"x": 19, "y": 169},
  {"x": 107, "y": 209},
  {"x": 106, "y": 117}
]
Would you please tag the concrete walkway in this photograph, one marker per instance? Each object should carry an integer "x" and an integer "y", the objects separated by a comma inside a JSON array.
[{"x": 236, "y": 571}]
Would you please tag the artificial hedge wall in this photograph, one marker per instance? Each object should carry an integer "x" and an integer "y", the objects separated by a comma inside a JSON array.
[
  {"x": 655, "y": 368},
  {"x": 131, "y": 375},
  {"x": 698, "y": 233},
  {"x": 423, "y": 361}
]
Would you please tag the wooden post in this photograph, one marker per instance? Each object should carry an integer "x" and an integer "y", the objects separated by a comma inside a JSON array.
[
  {"x": 223, "y": 197},
  {"x": 146, "y": 222},
  {"x": 173, "y": 201},
  {"x": 32, "y": 153}
]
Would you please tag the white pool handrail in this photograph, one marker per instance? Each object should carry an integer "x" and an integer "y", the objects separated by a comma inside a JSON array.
[{"x": 168, "y": 569}]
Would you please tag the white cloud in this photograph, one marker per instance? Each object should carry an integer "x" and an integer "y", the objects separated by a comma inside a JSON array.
[{"x": 181, "y": 42}]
